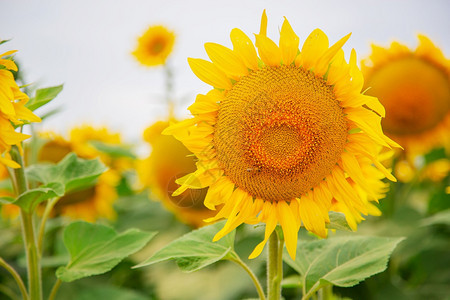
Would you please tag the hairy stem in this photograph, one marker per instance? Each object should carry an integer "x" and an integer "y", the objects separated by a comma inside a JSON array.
[
  {"x": 16, "y": 277},
  {"x": 29, "y": 237},
  {"x": 274, "y": 267},
  {"x": 252, "y": 275}
]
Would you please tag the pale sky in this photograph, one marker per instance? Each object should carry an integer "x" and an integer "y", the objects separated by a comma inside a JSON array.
[{"x": 86, "y": 45}]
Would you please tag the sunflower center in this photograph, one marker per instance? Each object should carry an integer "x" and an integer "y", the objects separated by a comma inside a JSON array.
[
  {"x": 415, "y": 93},
  {"x": 279, "y": 132},
  {"x": 157, "y": 45}
]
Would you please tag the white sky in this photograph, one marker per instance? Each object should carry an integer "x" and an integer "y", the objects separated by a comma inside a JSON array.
[{"x": 86, "y": 45}]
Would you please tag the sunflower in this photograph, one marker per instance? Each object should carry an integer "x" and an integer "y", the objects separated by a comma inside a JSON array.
[
  {"x": 12, "y": 110},
  {"x": 414, "y": 87},
  {"x": 154, "y": 46},
  {"x": 285, "y": 137},
  {"x": 168, "y": 161}
]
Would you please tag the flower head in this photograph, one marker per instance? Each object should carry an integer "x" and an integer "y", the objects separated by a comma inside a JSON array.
[
  {"x": 154, "y": 46},
  {"x": 12, "y": 110},
  {"x": 414, "y": 87},
  {"x": 168, "y": 161},
  {"x": 285, "y": 137}
]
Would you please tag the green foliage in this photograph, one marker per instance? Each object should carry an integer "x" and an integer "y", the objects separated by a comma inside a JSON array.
[
  {"x": 43, "y": 96},
  {"x": 113, "y": 150},
  {"x": 338, "y": 222},
  {"x": 95, "y": 249},
  {"x": 442, "y": 217},
  {"x": 71, "y": 173},
  {"x": 110, "y": 293},
  {"x": 341, "y": 261},
  {"x": 196, "y": 250}
]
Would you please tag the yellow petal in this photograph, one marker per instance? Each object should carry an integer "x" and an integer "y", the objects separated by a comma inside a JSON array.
[
  {"x": 325, "y": 60},
  {"x": 289, "y": 42},
  {"x": 244, "y": 47},
  {"x": 268, "y": 51},
  {"x": 315, "y": 46},
  {"x": 219, "y": 193},
  {"x": 209, "y": 73},
  {"x": 9, "y": 163},
  {"x": 263, "y": 28},
  {"x": 311, "y": 216},
  {"x": 271, "y": 223},
  {"x": 289, "y": 226},
  {"x": 224, "y": 58},
  {"x": 203, "y": 104}
]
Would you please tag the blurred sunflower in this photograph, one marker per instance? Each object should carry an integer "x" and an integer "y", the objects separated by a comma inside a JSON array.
[
  {"x": 168, "y": 161},
  {"x": 12, "y": 110},
  {"x": 286, "y": 137},
  {"x": 154, "y": 46},
  {"x": 414, "y": 87}
]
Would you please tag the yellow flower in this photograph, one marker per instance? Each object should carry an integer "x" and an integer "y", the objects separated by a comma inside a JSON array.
[
  {"x": 154, "y": 46},
  {"x": 284, "y": 137},
  {"x": 12, "y": 111},
  {"x": 168, "y": 161},
  {"x": 414, "y": 87}
]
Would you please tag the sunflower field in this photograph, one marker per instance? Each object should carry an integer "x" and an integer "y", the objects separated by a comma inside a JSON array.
[{"x": 222, "y": 151}]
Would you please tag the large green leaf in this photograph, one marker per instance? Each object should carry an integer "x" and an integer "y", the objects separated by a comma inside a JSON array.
[
  {"x": 71, "y": 173},
  {"x": 96, "y": 249},
  {"x": 341, "y": 261},
  {"x": 43, "y": 96},
  {"x": 196, "y": 250}
]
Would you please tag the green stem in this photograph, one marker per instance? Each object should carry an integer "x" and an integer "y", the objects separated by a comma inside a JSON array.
[
  {"x": 252, "y": 275},
  {"x": 169, "y": 88},
  {"x": 274, "y": 267},
  {"x": 327, "y": 292},
  {"x": 47, "y": 211},
  {"x": 55, "y": 289},
  {"x": 7, "y": 291},
  {"x": 16, "y": 277},
  {"x": 33, "y": 263}
]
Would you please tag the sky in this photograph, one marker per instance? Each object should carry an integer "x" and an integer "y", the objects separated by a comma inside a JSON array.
[{"x": 87, "y": 45}]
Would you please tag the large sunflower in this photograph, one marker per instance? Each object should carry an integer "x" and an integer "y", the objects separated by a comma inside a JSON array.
[
  {"x": 154, "y": 46},
  {"x": 284, "y": 137},
  {"x": 414, "y": 87},
  {"x": 168, "y": 161},
  {"x": 12, "y": 110}
]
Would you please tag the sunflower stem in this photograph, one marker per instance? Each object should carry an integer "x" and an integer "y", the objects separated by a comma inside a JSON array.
[
  {"x": 55, "y": 289},
  {"x": 169, "y": 88},
  {"x": 274, "y": 267},
  {"x": 16, "y": 277},
  {"x": 48, "y": 208},
  {"x": 252, "y": 275},
  {"x": 29, "y": 237}
]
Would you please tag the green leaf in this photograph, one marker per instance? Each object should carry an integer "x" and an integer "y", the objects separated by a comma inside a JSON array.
[
  {"x": 31, "y": 198},
  {"x": 113, "y": 150},
  {"x": 340, "y": 261},
  {"x": 338, "y": 221},
  {"x": 442, "y": 217},
  {"x": 71, "y": 172},
  {"x": 43, "y": 96},
  {"x": 95, "y": 249},
  {"x": 196, "y": 250}
]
